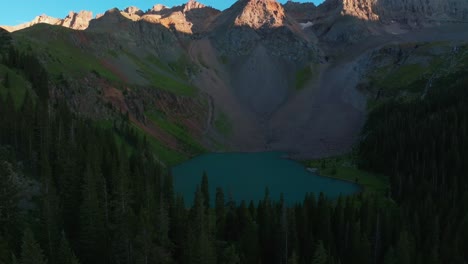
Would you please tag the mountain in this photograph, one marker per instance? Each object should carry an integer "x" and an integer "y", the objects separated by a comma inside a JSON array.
[
  {"x": 408, "y": 11},
  {"x": 256, "y": 76},
  {"x": 353, "y": 20},
  {"x": 188, "y": 18},
  {"x": 79, "y": 21},
  {"x": 94, "y": 117},
  {"x": 301, "y": 12}
]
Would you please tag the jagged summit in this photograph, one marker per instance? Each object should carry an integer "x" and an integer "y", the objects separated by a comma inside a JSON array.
[
  {"x": 39, "y": 19},
  {"x": 73, "y": 20},
  {"x": 399, "y": 10},
  {"x": 193, "y": 4},
  {"x": 191, "y": 17},
  {"x": 260, "y": 13},
  {"x": 133, "y": 10},
  {"x": 249, "y": 24},
  {"x": 302, "y": 12},
  {"x": 255, "y": 14},
  {"x": 194, "y": 17},
  {"x": 187, "y": 18}
]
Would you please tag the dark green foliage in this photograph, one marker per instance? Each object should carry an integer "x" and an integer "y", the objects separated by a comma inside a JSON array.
[
  {"x": 230, "y": 256},
  {"x": 422, "y": 145},
  {"x": 220, "y": 212},
  {"x": 92, "y": 225},
  {"x": 320, "y": 255},
  {"x": 65, "y": 253},
  {"x": 6, "y": 80},
  {"x": 10, "y": 188},
  {"x": 31, "y": 252},
  {"x": 33, "y": 70},
  {"x": 205, "y": 190}
]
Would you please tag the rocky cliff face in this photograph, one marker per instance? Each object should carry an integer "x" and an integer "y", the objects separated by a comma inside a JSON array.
[
  {"x": 302, "y": 12},
  {"x": 189, "y": 18},
  {"x": 341, "y": 22},
  {"x": 39, "y": 19},
  {"x": 250, "y": 23},
  {"x": 260, "y": 13},
  {"x": 79, "y": 21},
  {"x": 400, "y": 10},
  {"x": 438, "y": 10}
]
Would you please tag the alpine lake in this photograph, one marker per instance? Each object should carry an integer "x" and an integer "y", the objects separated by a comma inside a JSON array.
[{"x": 246, "y": 177}]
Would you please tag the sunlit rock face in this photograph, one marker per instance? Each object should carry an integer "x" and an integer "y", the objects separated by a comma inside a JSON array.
[
  {"x": 401, "y": 10},
  {"x": 261, "y": 13},
  {"x": 79, "y": 21}
]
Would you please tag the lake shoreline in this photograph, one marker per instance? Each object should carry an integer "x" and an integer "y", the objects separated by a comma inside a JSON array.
[
  {"x": 246, "y": 176},
  {"x": 336, "y": 178}
]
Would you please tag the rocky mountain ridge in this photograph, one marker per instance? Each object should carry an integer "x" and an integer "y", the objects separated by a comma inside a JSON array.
[
  {"x": 195, "y": 15},
  {"x": 78, "y": 21},
  {"x": 183, "y": 18},
  {"x": 260, "y": 75}
]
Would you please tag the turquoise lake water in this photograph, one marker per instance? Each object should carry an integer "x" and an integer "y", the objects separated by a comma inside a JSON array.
[{"x": 245, "y": 176}]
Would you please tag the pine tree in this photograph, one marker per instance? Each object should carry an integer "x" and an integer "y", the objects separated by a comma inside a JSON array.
[
  {"x": 92, "y": 229},
  {"x": 9, "y": 197},
  {"x": 200, "y": 243},
  {"x": 31, "y": 252},
  {"x": 6, "y": 80},
  {"x": 390, "y": 257},
  {"x": 65, "y": 254},
  {"x": 293, "y": 259},
  {"x": 404, "y": 249},
  {"x": 320, "y": 255},
  {"x": 50, "y": 206},
  {"x": 230, "y": 256},
  {"x": 205, "y": 190},
  {"x": 220, "y": 213}
]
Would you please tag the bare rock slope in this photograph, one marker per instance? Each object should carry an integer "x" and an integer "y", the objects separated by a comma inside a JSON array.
[{"x": 79, "y": 21}]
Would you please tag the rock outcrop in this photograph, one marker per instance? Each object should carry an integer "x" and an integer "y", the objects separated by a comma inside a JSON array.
[
  {"x": 302, "y": 12},
  {"x": 189, "y": 18},
  {"x": 430, "y": 10},
  {"x": 133, "y": 10},
  {"x": 191, "y": 5},
  {"x": 399, "y": 10},
  {"x": 37, "y": 20},
  {"x": 249, "y": 23},
  {"x": 157, "y": 8},
  {"x": 79, "y": 21},
  {"x": 260, "y": 13}
]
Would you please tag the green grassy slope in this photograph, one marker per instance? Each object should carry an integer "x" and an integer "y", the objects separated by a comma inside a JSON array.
[
  {"x": 344, "y": 167},
  {"x": 65, "y": 52},
  {"x": 17, "y": 87}
]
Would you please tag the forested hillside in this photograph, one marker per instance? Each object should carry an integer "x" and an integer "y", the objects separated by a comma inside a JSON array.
[{"x": 422, "y": 145}]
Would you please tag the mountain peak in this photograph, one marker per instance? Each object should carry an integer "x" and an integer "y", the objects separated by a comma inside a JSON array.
[
  {"x": 259, "y": 13},
  {"x": 78, "y": 20},
  {"x": 133, "y": 10},
  {"x": 192, "y": 4},
  {"x": 73, "y": 20},
  {"x": 408, "y": 10},
  {"x": 158, "y": 8}
]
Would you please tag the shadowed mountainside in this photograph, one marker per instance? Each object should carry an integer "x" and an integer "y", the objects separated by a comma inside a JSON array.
[{"x": 257, "y": 76}]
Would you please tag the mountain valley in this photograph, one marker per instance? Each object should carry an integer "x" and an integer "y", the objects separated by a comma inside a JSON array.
[{"x": 274, "y": 133}]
